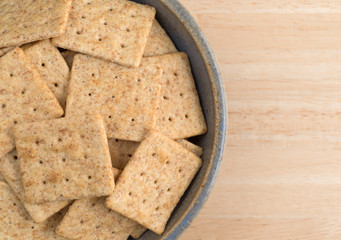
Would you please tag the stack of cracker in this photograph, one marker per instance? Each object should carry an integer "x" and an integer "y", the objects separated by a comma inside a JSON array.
[{"x": 96, "y": 104}]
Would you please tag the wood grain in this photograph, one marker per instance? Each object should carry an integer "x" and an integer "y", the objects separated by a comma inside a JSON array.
[{"x": 281, "y": 175}]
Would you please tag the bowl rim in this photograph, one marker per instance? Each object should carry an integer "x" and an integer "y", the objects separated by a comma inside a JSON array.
[{"x": 221, "y": 119}]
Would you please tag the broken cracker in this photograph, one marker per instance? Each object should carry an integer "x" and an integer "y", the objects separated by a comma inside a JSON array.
[
  {"x": 180, "y": 114},
  {"x": 127, "y": 98},
  {"x": 190, "y": 146},
  {"x": 5, "y": 50},
  {"x": 112, "y": 30},
  {"x": 121, "y": 151},
  {"x": 158, "y": 42},
  {"x": 24, "y": 97},
  {"x": 51, "y": 67},
  {"x": 10, "y": 168},
  {"x": 152, "y": 183},
  {"x": 24, "y": 21},
  {"x": 68, "y": 57},
  {"x": 63, "y": 159},
  {"x": 15, "y": 223},
  {"x": 89, "y": 219}
]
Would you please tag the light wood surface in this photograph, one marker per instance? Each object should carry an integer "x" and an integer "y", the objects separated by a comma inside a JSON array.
[{"x": 281, "y": 175}]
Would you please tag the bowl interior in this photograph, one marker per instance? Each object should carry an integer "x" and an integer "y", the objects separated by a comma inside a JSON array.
[{"x": 185, "y": 42}]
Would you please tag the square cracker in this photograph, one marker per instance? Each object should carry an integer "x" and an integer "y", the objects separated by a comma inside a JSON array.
[
  {"x": 68, "y": 57},
  {"x": 66, "y": 158},
  {"x": 121, "y": 151},
  {"x": 15, "y": 223},
  {"x": 10, "y": 167},
  {"x": 127, "y": 98},
  {"x": 51, "y": 67},
  {"x": 24, "y": 97},
  {"x": 153, "y": 181},
  {"x": 89, "y": 219},
  {"x": 5, "y": 50},
  {"x": 114, "y": 30},
  {"x": 180, "y": 114},
  {"x": 158, "y": 42},
  {"x": 23, "y": 21}
]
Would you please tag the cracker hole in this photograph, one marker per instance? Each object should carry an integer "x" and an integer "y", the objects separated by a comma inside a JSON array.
[
  {"x": 56, "y": 84},
  {"x": 168, "y": 190},
  {"x": 105, "y": 23},
  {"x": 60, "y": 140},
  {"x": 32, "y": 227},
  {"x": 34, "y": 109},
  {"x": 97, "y": 227},
  {"x": 66, "y": 179},
  {"x": 142, "y": 174},
  {"x": 83, "y": 17},
  {"x": 86, "y": 156},
  {"x": 116, "y": 140},
  {"x": 43, "y": 64},
  {"x": 11, "y": 75},
  {"x": 23, "y": 92},
  {"x": 82, "y": 136},
  {"x": 129, "y": 193},
  {"x": 111, "y": 9},
  {"x": 112, "y": 232},
  {"x": 41, "y": 162},
  {"x": 15, "y": 157},
  {"x": 14, "y": 204},
  {"x": 133, "y": 120},
  {"x": 181, "y": 94},
  {"x": 89, "y": 177},
  {"x": 170, "y": 119},
  {"x": 144, "y": 201},
  {"x": 165, "y": 97},
  {"x": 44, "y": 182},
  {"x": 81, "y": 221},
  {"x": 139, "y": 80},
  {"x": 129, "y": 155},
  {"x": 175, "y": 74},
  {"x": 136, "y": 99},
  {"x": 133, "y": 16},
  {"x": 37, "y": 142},
  {"x": 109, "y": 116},
  {"x": 155, "y": 182},
  {"x": 64, "y": 159},
  {"x": 78, "y": 32},
  {"x": 100, "y": 39},
  {"x": 167, "y": 162},
  {"x": 93, "y": 204},
  {"x": 157, "y": 209},
  {"x": 15, "y": 122},
  {"x": 112, "y": 96},
  {"x": 154, "y": 154},
  {"x": 128, "y": 30},
  {"x": 90, "y": 94},
  {"x": 116, "y": 76},
  {"x": 93, "y": 74},
  {"x": 180, "y": 170},
  {"x": 3, "y": 105},
  {"x": 186, "y": 116},
  {"x": 123, "y": 45}
]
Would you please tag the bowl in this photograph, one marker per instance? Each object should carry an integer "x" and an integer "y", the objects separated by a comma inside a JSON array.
[{"x": 188, "y": 37}]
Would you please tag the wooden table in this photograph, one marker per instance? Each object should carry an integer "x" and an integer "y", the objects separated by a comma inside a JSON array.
[{"x": 281, "y": 175}]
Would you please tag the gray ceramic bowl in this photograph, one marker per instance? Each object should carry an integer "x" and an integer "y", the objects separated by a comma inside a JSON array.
[{"x": 188, "y": 38}]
